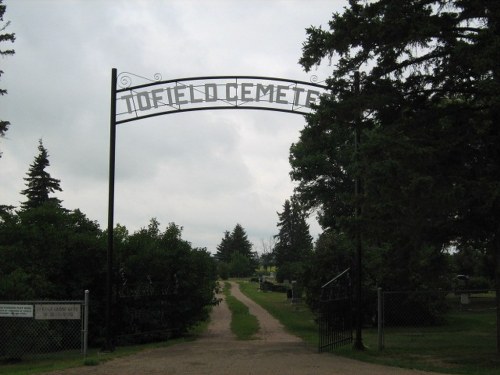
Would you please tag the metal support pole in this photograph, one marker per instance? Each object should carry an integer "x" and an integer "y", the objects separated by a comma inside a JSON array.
[
  {"x": 86, "y": 324},
  {"x": 109, "y": 346},
  {"x": 358, "y": 342},
  {"x": 380, "y": 317}
]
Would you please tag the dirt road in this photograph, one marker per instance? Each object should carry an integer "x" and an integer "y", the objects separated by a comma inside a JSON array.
[{"x": 275, "y": 352}]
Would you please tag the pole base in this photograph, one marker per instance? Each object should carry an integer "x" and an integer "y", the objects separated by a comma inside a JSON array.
[{"x": 359, "y": 346}]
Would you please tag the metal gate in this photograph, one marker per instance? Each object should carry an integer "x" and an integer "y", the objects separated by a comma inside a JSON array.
[{"x": 335, "y": 313}]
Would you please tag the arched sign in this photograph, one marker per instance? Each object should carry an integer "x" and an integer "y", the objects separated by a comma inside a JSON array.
[
  {"x": 157, "y": 97},
  {"x": 215, "y": 92}
]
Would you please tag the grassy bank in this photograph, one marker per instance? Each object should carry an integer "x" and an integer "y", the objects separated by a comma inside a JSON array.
[
  {"x": 243, "y": 324},
  {"x": 464, "y": 345}
]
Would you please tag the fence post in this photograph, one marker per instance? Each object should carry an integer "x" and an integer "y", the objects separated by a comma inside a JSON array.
[
  {"x": 86, "y": 324},
  {"x": 380, "y": 314}
]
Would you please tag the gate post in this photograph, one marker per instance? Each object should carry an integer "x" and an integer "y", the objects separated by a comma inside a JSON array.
[
  {"x": 380, "y": 317},
  {"x": 86, "y": 324},
  {"x": 111, "y": 203}
]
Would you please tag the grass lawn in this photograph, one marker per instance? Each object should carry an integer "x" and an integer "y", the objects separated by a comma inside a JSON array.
[
  {"x": 464, "y": 345},
  {"x": 243, "y": 324}
]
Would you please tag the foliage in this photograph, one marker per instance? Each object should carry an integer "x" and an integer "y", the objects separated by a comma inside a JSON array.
[
  {"x": 224, "y": 249},
  {"x": 49, "y": 252},
  {"x": 267, "y": 285},
  {"x": 293, "y": 242},
  {"x": 165, "y": 284},
  {"x": 235, "y": 253},
  {"x": 427, "y": 113},
  {"x": 476, "y": 262},
  {"x": 223, "y": 270},
  {"x": 332, "y": 255},
  {"x": 267, "y": 260},
  {"x": 4, "y": 37},
  {"x": 39, "y": 183},
  {"x": 240, "y": 265}
]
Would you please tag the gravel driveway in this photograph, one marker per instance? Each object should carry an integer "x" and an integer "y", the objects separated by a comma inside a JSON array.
[{"x": 275, "y": 352}]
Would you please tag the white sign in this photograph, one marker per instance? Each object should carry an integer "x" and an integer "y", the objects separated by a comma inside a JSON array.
[
  {"x": 229, "y": 92},
  {"x": 59, "y": 312},
  {"x": 213, "y": 93},
  {"x": 16, "y": 311}
]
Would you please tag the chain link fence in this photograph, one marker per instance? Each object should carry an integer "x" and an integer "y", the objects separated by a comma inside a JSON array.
[
  {"x": 40, "y": 327},
  {"x": 416, "y": 319},
  {"x": 145, "y": 313}
]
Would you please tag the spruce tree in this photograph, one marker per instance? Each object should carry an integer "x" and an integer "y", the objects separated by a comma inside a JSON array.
[
  {"x": 427, "y": 110},
  {"x": 224, "y": 248},
  {"x": 39, "y": 183},
  {"x": 294, "y": 242},
  {"x": 235, "y": 250},
  {"x": 240, "y": 243}
]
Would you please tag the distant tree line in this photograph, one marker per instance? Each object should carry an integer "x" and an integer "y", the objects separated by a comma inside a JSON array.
[{"x": 49, "y": 252}]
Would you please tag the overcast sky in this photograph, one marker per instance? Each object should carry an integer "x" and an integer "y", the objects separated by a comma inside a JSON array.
[{"x": 203, "y": 170}]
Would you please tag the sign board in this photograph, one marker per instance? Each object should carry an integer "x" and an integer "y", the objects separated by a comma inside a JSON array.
[
  {"x": 218, "y": 92},
  {"x": 58, "y": 312},
  {"x": 16, "y": 311}
]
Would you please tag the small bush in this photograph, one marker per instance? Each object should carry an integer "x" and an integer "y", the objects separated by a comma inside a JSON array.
[
  {"x": 269, "y": 286},
  {"x": 90, "y": 362}
]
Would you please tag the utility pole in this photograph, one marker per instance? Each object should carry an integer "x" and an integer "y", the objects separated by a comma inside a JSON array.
[{"x": 358, "y": 341}]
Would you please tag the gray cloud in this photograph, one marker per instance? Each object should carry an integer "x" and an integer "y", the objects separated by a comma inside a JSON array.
[{"x": 206, "y": 171}]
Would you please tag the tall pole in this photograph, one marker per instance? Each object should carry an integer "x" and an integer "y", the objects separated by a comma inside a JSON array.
[
  {"x": 358, "y": 341},
  {"x": 111, "y": 203}
]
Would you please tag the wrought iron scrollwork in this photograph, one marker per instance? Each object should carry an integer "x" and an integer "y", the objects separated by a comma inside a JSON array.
[
  {"x": 126, "y": 79},
  {"x": 314, "y": 79}
]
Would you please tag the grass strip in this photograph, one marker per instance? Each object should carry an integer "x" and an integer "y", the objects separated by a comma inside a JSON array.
[
  {"x": 464, "y": 345},
  {"x": 297, "y": 318},
  {"x": 243, "y": 324}
]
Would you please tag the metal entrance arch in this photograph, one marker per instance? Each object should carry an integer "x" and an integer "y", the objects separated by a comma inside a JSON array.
[{"x": 157, "y": 97}]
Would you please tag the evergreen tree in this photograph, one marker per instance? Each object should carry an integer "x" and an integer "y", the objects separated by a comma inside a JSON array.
[
  {"x": 332, "y": 255},
  {"x": 4, "y": 37},
  {"x": 240, "y": 243},
  {"x": 224, "y": 249},
  {"x": 294, "y": 243},
  {"x": 39, "y": 182},
  {"x": 235, "y": 251},
  {"x": 428, "y": 112}
]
